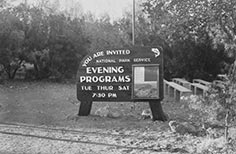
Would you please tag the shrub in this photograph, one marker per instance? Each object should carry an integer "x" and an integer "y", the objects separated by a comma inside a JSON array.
[{"x": 218, "y": 106}]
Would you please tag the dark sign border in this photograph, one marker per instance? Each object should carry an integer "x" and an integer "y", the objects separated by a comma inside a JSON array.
[{"x": 136, "y": 52}]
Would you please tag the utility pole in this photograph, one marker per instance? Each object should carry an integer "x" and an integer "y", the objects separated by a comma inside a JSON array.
[
  {"x": 26, "y": 3},
  {"x": 133, "y": 23}
]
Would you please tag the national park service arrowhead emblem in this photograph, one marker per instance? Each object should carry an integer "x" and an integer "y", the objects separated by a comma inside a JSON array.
[{"x": 156, "y": 52}]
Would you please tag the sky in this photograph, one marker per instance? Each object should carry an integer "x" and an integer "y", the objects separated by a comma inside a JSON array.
[{"x": 114, "y": 8}]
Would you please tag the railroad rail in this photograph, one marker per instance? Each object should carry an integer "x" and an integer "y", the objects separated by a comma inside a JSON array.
[{"x": 120, "y": 141}]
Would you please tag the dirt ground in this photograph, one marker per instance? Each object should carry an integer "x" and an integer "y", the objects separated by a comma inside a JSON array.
[{"x": 55, "y": 105}]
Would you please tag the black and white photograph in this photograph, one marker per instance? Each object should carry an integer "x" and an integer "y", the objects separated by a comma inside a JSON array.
[{"x": 117, "y": 76}]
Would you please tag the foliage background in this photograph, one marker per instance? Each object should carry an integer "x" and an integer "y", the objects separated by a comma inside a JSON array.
[{"x": 198, "y": 36}]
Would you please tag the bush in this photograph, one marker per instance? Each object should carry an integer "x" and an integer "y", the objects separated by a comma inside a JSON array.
[{"x": 209, "y": 107}]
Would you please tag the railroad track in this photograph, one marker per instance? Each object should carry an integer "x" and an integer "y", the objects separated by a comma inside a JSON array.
[
  {"x": 75, "y": 131},
  {"x": 120, "y": 141}
]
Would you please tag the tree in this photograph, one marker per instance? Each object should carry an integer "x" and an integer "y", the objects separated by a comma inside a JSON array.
[
  {"x": 12, "y": 37},
  {"x": 67, "y": 45},
  {"x": 52, "y": 41},
  {"x": 36, "y": 29},
  {"x": 102, "y": 33},
  {"x": 188, "y": 27},
  {"x": 2, "y": 3},
  {"x": 203, "y": 35}
]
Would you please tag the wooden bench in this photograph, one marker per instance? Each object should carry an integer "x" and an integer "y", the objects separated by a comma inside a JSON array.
[
  {"x": 199, "y": 89},
  {"x": 182, "y": 82},
  {"x": 202, "y": 82},
  {"x": 219, "y": 83},
  {"x": 175, "y": 90}
]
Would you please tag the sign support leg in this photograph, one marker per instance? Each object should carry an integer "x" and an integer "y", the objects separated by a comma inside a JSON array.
[
  {"x": 85, "y": 108},
  {"x": 157, "y": 111}
]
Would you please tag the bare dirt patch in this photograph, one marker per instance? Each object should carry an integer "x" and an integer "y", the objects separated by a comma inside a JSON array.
[{"x": 55, "y": 105}]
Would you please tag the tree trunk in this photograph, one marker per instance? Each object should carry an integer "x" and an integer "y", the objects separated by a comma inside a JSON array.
[
  {"x": 16, "y": 69},
  {"x": 9, "y": 75},
  {"x": 227, "y": 126},
  {"x": 14, "y": 73},
  {"x": 8, "y": 71},
  {"x": 157, "y": 111},
  {"x": 36, "y": 70}
]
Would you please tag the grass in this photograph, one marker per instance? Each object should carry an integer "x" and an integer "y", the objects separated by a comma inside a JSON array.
[{"x": 55, "y": 104}]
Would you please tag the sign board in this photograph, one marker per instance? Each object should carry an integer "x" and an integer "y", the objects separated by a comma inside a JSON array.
[{"x": 128, "y": 74}]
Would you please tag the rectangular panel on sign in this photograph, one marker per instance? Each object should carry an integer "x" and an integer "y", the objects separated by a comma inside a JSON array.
[{"x": 145, "y": 81}]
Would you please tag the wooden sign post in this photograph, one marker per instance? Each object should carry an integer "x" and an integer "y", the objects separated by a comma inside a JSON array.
[{"x": 128, "y": 74}]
